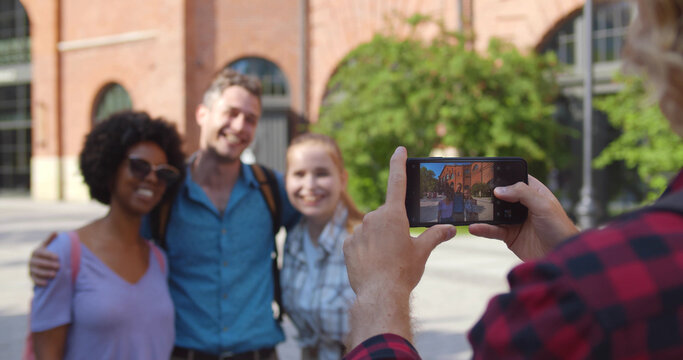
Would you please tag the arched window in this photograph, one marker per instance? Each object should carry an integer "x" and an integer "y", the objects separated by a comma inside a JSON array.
[
  {"x": 272, "y": 134},
  {"x": 14, "y": 33},
  {"x": 112, "y": 98},
  {"x": 610, "y": 22},
  {"x": 272, "y": 79},
  {"x": 609, "y": 29},
  {"x": 15, "y": 98}
]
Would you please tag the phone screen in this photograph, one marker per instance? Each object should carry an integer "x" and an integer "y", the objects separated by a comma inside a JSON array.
[{"x": 459, "y": 191}]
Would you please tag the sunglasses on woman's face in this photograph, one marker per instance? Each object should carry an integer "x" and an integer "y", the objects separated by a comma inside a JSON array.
[{"x": 140, "y": 168}]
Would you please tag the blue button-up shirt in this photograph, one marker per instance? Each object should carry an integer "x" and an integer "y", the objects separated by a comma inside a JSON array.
[{"x": 220, "y": 267}]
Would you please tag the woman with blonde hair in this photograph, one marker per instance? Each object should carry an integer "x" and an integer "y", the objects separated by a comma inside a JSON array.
[{"x": 315, "y": 287}]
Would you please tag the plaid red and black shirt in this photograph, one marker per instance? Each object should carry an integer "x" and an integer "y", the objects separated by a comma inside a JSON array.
[
  {"x": 385, "y": 346},
  {"x": 613, "y": 292}
]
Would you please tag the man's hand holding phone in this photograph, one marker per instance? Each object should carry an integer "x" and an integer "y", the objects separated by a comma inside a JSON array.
[
  {"x": 459, "y": 191},
  {"x": 546, "y": 225},
  {"x": 385, "y": 263}
]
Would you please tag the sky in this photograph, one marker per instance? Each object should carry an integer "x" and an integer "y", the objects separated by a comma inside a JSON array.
[{"x": 437, "y": 167}]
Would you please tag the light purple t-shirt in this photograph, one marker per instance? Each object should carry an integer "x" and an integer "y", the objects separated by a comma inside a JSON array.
[
  {"x": 446, "y": 210},
  {"x": 109, "y": 317}
]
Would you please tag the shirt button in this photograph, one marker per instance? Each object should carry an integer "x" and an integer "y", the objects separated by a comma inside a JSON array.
[
  {"x": 225, "y": 263},
  {"x": 225, "y": 328},
  {"x": 225, "y": 296},
  {"x": 223, "y": 231}
]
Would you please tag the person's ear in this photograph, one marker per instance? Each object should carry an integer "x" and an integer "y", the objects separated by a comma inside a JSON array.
[{"x": 202, "y": 114}]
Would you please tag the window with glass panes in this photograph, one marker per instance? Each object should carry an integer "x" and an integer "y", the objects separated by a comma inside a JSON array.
[
  {"x": 113, "y": 98},
  {"x": 15, "y": 137},
  {"x": 609, "y": 29},
  {"x": 610, "y": 21},
  {"x": 272, "y": 79},
  {"x": 14, "y": 33}
]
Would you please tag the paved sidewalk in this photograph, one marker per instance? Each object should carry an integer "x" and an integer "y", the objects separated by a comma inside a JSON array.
[{"x": 460, "y": 277}]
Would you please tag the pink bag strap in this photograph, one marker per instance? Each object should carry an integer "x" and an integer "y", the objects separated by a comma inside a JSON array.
[
  {"x": 75, "y": 265},
  {"x": 75, "y": 255},
  {"x": 159, "y": 256}
]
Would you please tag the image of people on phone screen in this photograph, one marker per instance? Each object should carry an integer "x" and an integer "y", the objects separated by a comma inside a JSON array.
[
  {"x": 445, "y": 207},
  {"x": 471, "y": 208},
  {"x": 463, "y": 192}
]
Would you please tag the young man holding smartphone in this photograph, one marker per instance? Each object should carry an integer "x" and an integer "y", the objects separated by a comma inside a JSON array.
[{"x": 612, "y": 292}]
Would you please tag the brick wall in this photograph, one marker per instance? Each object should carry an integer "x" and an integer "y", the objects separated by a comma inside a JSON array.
[
  {"x": 180, "y": 44},
  {"x": 220, "y": 32},
  {"x": 337, "y": 27},
  {"x": 522, "y": 22}
]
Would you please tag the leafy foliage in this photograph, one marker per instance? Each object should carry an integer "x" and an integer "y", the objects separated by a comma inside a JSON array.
[
  {"x": 647, "y": 143},
  {"x": 428, "y": 180},
  {"x": 481, "y": 189},
  {"x": 398, "y": 90}
]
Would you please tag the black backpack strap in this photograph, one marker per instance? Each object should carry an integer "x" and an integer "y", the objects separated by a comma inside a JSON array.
[
  {"x": 159, "y": 220},
  {"x": 271, "y": 194},
  {"x": 160, "y": 215}
]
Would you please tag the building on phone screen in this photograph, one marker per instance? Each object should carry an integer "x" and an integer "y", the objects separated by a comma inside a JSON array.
[{"x": 476, "y": 177}]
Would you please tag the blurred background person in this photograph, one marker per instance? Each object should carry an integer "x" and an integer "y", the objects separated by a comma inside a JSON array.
[
  {"x": 315, "y": 286},
  {"x": 118, "y": 306}
]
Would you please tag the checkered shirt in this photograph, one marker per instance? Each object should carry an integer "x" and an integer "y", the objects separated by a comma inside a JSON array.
[
  {"x": 610, "y": 293},
  {"x": 320, "y": 311},
  {"x": 385, "y": 346}
]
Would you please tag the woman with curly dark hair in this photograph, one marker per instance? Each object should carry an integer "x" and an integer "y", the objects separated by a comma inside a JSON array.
[{"x": 109, "y": 298}]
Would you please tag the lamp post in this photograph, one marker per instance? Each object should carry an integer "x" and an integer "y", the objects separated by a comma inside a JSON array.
[
  {"x": 586, "y": 209},
  {"x": 461, "y": 20}
]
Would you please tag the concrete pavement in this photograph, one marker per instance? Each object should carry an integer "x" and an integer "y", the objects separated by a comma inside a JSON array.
[{"x": 460, "y": 277}]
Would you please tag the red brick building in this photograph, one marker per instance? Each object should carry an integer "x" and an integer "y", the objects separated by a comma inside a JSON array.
[
  {"x": 90, "y": 56},
  {"x": 481, "y": 173},
  {"x": 462, "y": 177},
  {"x": 454, "y": 176}
]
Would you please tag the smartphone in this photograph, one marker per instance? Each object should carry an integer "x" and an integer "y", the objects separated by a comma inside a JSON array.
[{"x": 459, "y": 191}]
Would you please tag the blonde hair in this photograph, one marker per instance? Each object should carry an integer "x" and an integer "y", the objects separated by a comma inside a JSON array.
[
  {"x": 355, "y": 216},
  {"x": 655, "y": 42}
]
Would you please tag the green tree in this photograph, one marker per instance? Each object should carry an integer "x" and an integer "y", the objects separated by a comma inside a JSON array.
[
  {"x": 428, "y": 180},
  {"x": 481, "y": 189},
  {"x": 398, "y": 90},
  {"x": 647, "y": 143}
]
